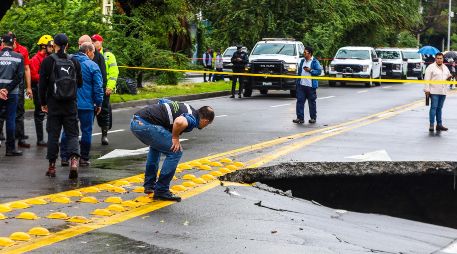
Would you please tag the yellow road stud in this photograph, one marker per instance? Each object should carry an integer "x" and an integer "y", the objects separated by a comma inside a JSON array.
[
  {"x": 2, "y": 216},
  {"x": 204, "y": 161},
  {"x": 116, "y": 208},
  {"x": 27, "y": 216},
  {"x": 188, "y": 177},
  {"x": 114, "y": 200},
  {"x": 226, "y": 160},
  {"x": 175, "y": 178},
  {"x": 39, "y": 231},
  {"x": 78, "y": 219},
  {"x": 6, "y": 242},
  {"x": 90, "y": 190},
  {"x": 188, "y": 184},
  {"x": 208, "y": 177},
  {"x": 232, "y": 167},
  {"x": 136, "y": 180},
  {"x": 130, "y": 203},
  {"x": 57, "y": 215},
  {"x": 216, "y": 164},
  {"x": 89, "y": 199},
  {"x": 5, "y": 208},
  {"x": 73, "y": 193},
  {"x": 184, "y": 166},
  {"x": 118, "y": 189},
  {"x": 238, "y": 164},
  {"x": 139, "y": 189},
  {"x": 198, "y": 180},
  {"x": 143, "y": 199},
  {"x": 121, "y": 183},
  {"x": 178, "y": 170},
  {"x": 216, "y": 173},
  {"x": 36, "y": 201},
  {"x": 20, "y": 236},
  {"x": 19, "y": 205},
  {"x": 205, "y": 167},
  {"x": 225, "y": 170},
  {"x": 61, "y": 200},
  {"x": 178, "y": 188},
  {"x": 105, "y": 186},
  {"x": 101, "y": 212},
  {"x": 195, "y": 163}
]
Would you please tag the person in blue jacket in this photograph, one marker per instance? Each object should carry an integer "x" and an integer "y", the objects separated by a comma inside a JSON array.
[
  {"x": 89, "y": 98},
  {"x": 306, "y": 87}
]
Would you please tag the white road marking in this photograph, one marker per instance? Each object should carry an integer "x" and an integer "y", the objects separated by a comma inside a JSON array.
[
  {"x": 363, "y": 91},
  {"x": 99, "y": 133},
  {"x": 333, "y": 130},
  {"x": 452, "y": 248},
  {"x": 116, "y": 153},
  {"x": 280, "y": 105},
  {"x": 380, "y": 155},
  {"x": 221, "y": 115},
  {"x": 323, "y": 98},
  {"x": 386, "y": 87}
]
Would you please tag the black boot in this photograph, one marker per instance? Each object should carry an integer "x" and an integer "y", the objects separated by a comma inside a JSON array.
[{"x": 105, "y": 141}]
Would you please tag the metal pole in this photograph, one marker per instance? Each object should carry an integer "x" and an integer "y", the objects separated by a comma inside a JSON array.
[{"x": 449, "y": 27}]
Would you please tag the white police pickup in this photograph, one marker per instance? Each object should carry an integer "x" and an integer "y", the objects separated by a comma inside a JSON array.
[
  {"x": 394, "y": 65},
  {"x": 356, "y": 62},
  {"x": 416, "y": 63}
]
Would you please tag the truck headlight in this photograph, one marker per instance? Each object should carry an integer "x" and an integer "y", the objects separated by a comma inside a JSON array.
[
  {"x": 397, "y": 66},
  {"x": 290, "y": 67},
  {"x": 365, "y": 68}
]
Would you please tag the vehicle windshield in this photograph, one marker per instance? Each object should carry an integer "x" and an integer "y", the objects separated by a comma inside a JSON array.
[
  {"x": 274, "y": 48},
  {"x": 411, "y": 55},
  {"x": 229, "y": 52},
  {"x": 388, "y": 54},
  {"x": 353, "y": 54}
]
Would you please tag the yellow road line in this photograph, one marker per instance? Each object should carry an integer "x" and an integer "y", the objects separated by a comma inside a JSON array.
[{"x": 297, "y": 77}]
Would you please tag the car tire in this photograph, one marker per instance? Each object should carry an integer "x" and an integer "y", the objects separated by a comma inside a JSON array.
[
  {"x": 332, "y": 83},
  {"x": 264, "y": 91},
  {"x": 247, "y": 92},
  {"x": 293, "y": 93}
]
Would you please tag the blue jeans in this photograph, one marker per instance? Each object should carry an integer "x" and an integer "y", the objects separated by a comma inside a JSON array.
[
  {"x": 9, "y": 106},
  {"x": 436, "y": 108},
  {"x": 86, "y": 122},
  {"x": 306, "y": 93},
  {"x": 159, "y": 141}
]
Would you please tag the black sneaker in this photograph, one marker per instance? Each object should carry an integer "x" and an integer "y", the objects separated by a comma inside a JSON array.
[
  {"x": 441, "y": 128},
  {"x": 64, "y": 163},
  {"x": 84, "y": 163},
  {"x": 148, "y": 190},
  {"x": 239, "y": 96},
  {"x": 167, "y": 196},
  {"x": 233, "y": 96},
  {"x": 13, "y": 153},
  {"x": 298, "y": 121},
  {"x": 22, "y": 143},
  {"x": 42, "y": 143},
  {"x": 312, "y": 120}
]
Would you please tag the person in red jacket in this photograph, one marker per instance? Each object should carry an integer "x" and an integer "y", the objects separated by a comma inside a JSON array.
[{"x": 45, "y": 43}]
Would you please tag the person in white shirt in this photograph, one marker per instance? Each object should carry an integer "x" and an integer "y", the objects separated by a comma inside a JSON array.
[
  {"x": 437, "y": 92},
  {"x": 219, "y": 63}
]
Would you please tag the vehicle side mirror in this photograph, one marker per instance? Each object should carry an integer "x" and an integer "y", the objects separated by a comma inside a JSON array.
[
  {"x": 405, "y": 59},
  {"x": 376, "y": 60}
]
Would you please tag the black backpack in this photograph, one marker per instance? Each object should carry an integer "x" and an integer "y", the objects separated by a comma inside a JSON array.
[{"x": 64, "y": 76}]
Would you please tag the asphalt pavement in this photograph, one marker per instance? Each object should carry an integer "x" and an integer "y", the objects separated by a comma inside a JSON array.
[{"x": 354, "y": 123}]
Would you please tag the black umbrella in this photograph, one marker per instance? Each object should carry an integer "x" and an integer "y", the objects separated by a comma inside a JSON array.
[{"x": 450, "y": 55}]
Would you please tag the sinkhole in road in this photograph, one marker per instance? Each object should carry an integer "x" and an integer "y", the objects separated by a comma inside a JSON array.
[{"x": 420, "y": 191}]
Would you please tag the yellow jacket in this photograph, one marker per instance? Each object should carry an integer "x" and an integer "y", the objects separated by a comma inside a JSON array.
[{"x": 112, "y": 71}]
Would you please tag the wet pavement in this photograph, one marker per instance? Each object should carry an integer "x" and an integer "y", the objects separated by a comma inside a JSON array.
[{"x": 352, "y": 121}]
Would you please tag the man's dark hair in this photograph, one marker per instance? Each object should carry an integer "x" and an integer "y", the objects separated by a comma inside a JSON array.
[
  {"x": 439, "y": 54},
  {"x": 309, "y": 49},
  {"x": 206, "y": 112}
]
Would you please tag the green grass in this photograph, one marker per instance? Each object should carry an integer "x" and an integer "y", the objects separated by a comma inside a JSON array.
[{"x": 156, "y": 91}]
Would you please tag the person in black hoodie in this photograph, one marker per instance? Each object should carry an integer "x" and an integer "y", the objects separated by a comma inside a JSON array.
[{"x": 61, "y": 113}]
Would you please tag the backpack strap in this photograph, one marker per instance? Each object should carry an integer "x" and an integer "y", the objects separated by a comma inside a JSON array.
[{"x": 300, "y": 67}]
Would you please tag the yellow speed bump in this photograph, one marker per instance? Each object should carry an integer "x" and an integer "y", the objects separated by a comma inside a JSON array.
[
  {"x": 121, "y": 183},
  {"x": 57, "y": 215},
  {"x": 204, "y": 161},
  {"x": 116, "y": 208},
  {"x": 205, "y": 167},
  {"x": 90, "y": 190},
  {"x": 2, "y": 216},
  {"x": 114, "y": 200},
  {"x": 208, "y": 177},
  {"x": 175, "y": 178},
  {"x": 130, "y": 203},
  {"x": 184, "y": 166},
  {"x": 143, "y": 199},
  {"x": 20, "y": 236},
  {"x": 5, "y": 208},
  {"x": 178, "y": 170},
  {"x": 195, "y": 163},
  {"x": 19, "y": 205},
  {"x": 216, "y": 164},
  {"x": 238, "y": 164},
  {"x": 36, "y": 201},
  {"x": 225, "y": 170},
  {"x": 226, "y": 160},
  {"x": 188, "y": 177},
  {"x": 79, "y": 219},
  {"x": 105, "y": 186},
  {"x": 138, "y": 189},
  {"x": 178, "y": 188},
  {"x": 27, "y": 216},
  {"x": 118, "y": 189},
  {"x": 198, "y": 180},
  {"x": 101, "y": 212},
  {"x": 89, "y": 199},
  {"x": 61, "y": 200},
  {"x": 6, "y": 242},
  {"x": 39, "y": 231},
  {"x": 216, "y": 173},
  {"x": 232, "y": 167},
  {"x": 136, "y": 180},
  {"x": 188, "y": 184},
  {"x": 73, "y": 193}
]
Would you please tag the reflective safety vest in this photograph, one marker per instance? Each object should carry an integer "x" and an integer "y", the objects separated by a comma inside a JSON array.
[
  {"x": 176, "y": 109},
  {"x": 112, "y": 71}
]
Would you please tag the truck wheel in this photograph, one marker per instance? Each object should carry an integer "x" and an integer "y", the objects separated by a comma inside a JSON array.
[
  {"x": 264, "y": 91},
  {"x": 247, "y": 92},
  {"x": 293, "y": 93},
  {"x": 332, "y": 83}
]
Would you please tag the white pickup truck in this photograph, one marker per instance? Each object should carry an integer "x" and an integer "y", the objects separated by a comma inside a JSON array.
[
  {"x": 356, "y": 62},
  {"x": 416, "y": 63}
]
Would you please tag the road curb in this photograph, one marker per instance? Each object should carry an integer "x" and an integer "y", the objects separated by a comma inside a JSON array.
[{"x": 136, "y": 103}]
